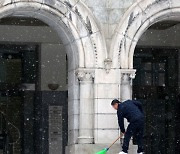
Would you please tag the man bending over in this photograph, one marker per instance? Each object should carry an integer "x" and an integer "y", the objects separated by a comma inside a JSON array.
[{"x": 133, "y": 112}]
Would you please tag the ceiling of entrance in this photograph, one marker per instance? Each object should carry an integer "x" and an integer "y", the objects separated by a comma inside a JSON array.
[
  {"x": 21, "y": 21},
  {"x": 164, "y": 24}
]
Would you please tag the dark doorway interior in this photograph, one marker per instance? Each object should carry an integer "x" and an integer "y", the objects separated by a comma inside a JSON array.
[
  {"x": 30, "y": 119},
  {"x": 156, "y": 86},
  {"x": 18, "y": 67}
]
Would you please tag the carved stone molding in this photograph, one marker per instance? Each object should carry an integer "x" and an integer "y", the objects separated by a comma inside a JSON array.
[
  {"x": 127, "y": 75},
  {"x": 108, "y": 63},
  {"x": 85, "y": 75},
  {"x": 135, "y": 21}
]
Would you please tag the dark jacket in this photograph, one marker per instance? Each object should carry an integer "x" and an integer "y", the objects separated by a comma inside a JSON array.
[{"x": 131, "y": 110}]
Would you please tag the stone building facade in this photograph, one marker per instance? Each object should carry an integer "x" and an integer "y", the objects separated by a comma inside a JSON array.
[{"x": 99, "y": 37}]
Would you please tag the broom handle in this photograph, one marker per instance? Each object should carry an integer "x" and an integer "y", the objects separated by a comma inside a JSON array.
[{"x": 114, "y": 142}]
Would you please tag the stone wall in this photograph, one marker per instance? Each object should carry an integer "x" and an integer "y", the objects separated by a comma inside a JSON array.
[{"x": 108, "y": 14}]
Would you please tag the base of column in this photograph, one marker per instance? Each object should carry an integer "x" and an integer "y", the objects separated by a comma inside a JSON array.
[{"x": 85, "y": 140}]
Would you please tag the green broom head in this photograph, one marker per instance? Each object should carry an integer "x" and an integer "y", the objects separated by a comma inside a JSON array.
[{"x": 102, "y": 151}]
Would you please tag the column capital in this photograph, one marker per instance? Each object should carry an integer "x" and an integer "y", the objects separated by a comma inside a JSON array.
[
  {"x": 128, "y": 72},
  {"x": 127, "y": 75},
  {"x": 85, "y": 75}
]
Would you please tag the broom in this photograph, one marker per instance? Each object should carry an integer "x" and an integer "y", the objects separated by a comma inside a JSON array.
[{"x": 106, "y": 149}]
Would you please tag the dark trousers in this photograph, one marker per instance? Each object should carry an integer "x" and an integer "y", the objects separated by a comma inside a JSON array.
[{"x": 135, "y": 129}]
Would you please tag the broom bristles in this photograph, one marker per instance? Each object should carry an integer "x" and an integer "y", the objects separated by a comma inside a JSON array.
[{"x": 102, "y": 151}]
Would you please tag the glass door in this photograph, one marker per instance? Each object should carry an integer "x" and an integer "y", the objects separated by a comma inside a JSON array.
[{"x": 18, "y": 67}]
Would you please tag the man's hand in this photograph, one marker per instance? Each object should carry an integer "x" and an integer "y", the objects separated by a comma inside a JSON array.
[
  {"x": 122, "y": 134},
  {"x": 122, "y": 138}
]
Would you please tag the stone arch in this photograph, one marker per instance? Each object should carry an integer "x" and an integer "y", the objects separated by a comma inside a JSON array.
[
  {"x": 73, "y": 22},
  {"x": 76, "y": 27},
  {"x": 138, "y": 18}
]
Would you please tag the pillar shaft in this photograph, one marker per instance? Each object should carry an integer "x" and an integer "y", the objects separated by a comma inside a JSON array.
[{"x": 86, "y": 107}]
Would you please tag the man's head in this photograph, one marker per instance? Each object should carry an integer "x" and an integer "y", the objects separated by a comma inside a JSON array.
[{"x": 115, "y": 104}]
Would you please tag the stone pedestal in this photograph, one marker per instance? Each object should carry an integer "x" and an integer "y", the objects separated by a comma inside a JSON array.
[{"x": 86, "y": 106}]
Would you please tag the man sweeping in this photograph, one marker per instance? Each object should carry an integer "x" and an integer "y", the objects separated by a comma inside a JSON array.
[{"x": 133, "y": 112}]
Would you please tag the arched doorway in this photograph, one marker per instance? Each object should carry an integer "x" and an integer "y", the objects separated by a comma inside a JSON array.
[
  {"x": 156, "y": 60},
  {"x": 79, "y": 35},
  {"x": 138, "y": 18},
  {"x": 33, "y": 94}
]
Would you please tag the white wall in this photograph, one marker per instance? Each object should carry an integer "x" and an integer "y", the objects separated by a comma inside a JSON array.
[
  {"x": 36, "y": 34},
  {"x": 108, "y": 14},
  {"x": 53, "y": 66}
]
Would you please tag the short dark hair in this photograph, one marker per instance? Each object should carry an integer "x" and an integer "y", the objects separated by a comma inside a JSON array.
[{"x": 115, "y": 101}]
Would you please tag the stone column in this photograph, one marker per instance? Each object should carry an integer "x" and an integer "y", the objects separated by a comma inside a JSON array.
[
  {"x": 127, "y": 75},
  {"x": 86, "y": 78}
]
